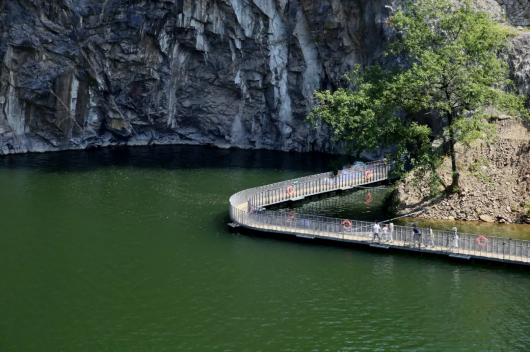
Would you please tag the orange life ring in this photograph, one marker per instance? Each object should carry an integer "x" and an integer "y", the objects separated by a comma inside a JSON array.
[
  {"x": 368, "y": 174},
  {"x": 290, "y": 190},
  {"x": 482, "y": 241},
  {"x": 346, "y": 224}
]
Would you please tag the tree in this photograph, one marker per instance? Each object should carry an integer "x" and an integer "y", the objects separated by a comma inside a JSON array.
[{"x": 448, "y": 60}]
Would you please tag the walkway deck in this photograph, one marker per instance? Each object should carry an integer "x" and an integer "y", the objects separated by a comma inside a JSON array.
[{"x": 247, "y": 210}]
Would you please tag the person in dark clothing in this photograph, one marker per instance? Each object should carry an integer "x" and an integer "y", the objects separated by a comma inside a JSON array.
[{"x": 417, "y": 236}]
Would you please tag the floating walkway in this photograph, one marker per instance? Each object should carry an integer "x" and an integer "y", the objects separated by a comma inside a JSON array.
[{"x": 248, "y": 210}]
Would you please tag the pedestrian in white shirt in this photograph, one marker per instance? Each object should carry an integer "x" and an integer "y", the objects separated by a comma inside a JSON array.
[
  {"x": 431, "y": 237},
  {"x": 391, "y": 232},
  {"x": 376, "y": 229},
  {"x": 384, "y": 235},
  {"x": 455, "y": 238}
]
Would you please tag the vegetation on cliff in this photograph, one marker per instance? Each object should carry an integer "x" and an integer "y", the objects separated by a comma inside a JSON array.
[
  {"x": 494, "y": 181},
  {"x": 448, "y": 61}
]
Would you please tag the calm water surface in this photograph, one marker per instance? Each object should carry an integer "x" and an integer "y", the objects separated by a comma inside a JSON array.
[{"x": 128, "y": 250}]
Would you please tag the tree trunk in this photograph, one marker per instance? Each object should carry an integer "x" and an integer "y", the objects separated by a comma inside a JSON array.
[{"x": 454, "y": 168}]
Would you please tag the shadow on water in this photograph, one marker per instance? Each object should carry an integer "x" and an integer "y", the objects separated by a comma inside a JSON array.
[{"x": 168, "y": 157}]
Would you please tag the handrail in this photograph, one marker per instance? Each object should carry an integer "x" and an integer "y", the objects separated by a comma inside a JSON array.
[
  {"x": 247, "y": 209},
  {"x": 403, "y": 216}
]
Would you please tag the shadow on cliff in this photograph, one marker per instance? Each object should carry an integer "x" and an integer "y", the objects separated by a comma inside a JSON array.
[{"x": 168, "y": 157}]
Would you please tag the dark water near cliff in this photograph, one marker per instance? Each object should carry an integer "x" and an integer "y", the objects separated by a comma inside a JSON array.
[{"x": 128, "y": 250}]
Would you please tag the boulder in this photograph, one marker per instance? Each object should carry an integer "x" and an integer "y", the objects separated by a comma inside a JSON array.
[{"x": 486, "y": 218}]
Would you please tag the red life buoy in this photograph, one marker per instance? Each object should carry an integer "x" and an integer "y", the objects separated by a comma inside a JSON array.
[
  {"x": 368, "y": 174},
  {"x": 290, "y": 190},
  {"x": 346, "y": 224},
  {"x": 482, "y": 241}
]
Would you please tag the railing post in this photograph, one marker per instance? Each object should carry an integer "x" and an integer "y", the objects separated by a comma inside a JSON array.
[{"x": 364, "y": 174}]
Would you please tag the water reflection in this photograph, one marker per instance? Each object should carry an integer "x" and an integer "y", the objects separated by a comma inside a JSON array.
[
  {"x": 384, "y": 267},
  {"x": 168, "y": 157},
  {"x": 456, "y": 277},
  {"x": 360, "y": 204}
]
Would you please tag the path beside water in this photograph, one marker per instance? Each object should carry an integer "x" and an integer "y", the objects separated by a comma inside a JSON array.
[
  {"x": 367, "y": 205},
  {"x": 247, "y": 209}
]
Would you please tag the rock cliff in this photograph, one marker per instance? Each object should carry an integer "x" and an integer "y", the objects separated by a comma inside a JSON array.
[
  {"x": 85, "y": 73},
  {"x": 76, "y": 74}
]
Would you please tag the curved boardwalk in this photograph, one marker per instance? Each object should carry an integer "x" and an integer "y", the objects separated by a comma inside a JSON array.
[{"x": 247, "y": 209}]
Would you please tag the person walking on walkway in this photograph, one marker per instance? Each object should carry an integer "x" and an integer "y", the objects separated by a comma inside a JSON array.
[
  {"x": 431, "y": 237},
  {"x": 384, "y": 236},
  {"x": 376, "y": 229},
  {"x": 417, "y": 236},
  {"x": 391, "y": 232},
  {"x": 455, "y": 238}
]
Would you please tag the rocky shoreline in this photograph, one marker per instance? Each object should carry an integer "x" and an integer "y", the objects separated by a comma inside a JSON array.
[{"x": 494, "y": 182}]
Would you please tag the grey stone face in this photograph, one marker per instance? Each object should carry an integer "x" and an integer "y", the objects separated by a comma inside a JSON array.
[
  {"x": 77, "y": 74},
  {"x": 517, "y": 12},
  {"x": 84, "y": 73},
  {"x": 520, "y": 62}
]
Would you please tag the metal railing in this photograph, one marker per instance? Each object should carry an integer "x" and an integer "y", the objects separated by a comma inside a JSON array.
[
  {"x": 246, "y": 209},
  {"x": 316, "y": 184}
]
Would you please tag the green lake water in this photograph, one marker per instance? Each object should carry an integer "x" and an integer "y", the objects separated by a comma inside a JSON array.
[{"x": 129, "y": 250}]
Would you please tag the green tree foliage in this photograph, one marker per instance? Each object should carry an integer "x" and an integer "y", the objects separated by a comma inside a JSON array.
[{"x": 449, "y": 61}]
